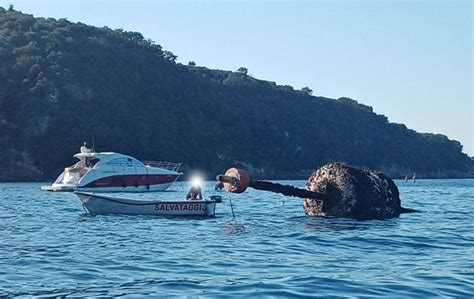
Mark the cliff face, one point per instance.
(63, 83)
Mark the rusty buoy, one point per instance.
(235, 180)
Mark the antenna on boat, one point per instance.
(93, 145)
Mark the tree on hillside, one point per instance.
(307, 90)
(242, 70)
(191, 64)
(169, 56)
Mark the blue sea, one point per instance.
(50, 247)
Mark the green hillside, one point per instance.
(63, 83)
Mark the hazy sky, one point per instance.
(409, 60)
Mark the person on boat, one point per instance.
(85, 149)
(414, 178)
(194, 193)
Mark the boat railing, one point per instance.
(163, 164)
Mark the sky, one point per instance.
(409, 60)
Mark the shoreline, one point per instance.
(272, 180)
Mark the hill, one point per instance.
(62, 83)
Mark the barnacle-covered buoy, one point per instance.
(352, 192)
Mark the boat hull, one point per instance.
(59, 188)
(103, 205)
(109, 188)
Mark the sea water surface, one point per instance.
(50, 247)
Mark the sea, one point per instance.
(258, 245)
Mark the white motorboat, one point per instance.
(114, 172)
(102, 205)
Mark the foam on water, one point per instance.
(50, 247)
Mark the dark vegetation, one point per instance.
(63, 83)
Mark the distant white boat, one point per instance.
(102, 205)
(113, 172)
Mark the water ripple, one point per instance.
(50, 248)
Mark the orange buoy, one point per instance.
(235, 180)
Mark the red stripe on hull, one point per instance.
(132, 180)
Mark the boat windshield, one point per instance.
(124, 162)
(91, 161)
(86, 162)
